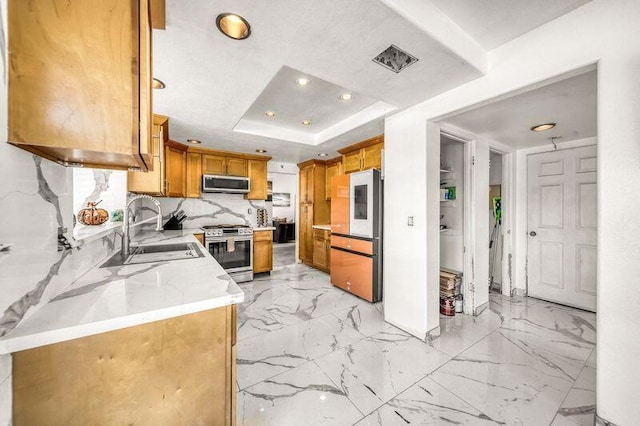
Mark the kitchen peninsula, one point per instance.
(131, 345)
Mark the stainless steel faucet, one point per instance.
(126, 240)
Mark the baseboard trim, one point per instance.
(480, 309)
(519, 292)
(602, 422)
(433, 334)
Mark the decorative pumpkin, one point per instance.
(91, 215)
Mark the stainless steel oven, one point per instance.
(232, 247)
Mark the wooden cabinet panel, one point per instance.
(258, 176)
(153, 181)
(321, 249)
(213, 164)
(178, 371)
(175, 171)
(237, 167)
(351, 162)
(306, 185)
(194, 175)
(372, 157)
(306, 233)
(262, 251)
(340, 205)
(80, 82)
(334, 169)
(200, 238)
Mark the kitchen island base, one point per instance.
(175, 371)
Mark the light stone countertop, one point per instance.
(107, 299)
(323, 227)
(265, 228)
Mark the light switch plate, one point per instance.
(410, 221)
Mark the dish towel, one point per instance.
(231, 245)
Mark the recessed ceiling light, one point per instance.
(303, 81)
(323, 154)
(194, 141)
(543, 127)
(261, 151)
(158, 84)
(346, 97)
(306, 122)
(270, 114)
(233, 26)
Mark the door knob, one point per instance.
(533, 233)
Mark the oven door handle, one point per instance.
(225, 239)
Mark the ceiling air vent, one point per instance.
(395, 59)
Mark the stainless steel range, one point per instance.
(232, 247)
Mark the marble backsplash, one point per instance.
(210, 209)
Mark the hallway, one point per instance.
(309, 353)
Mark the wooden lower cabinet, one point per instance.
(262, 251)
(322, 249)
(200, 237)
(176, 371)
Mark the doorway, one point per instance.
(452, 224)
(282, 201)
(562, 225)
(496, 210)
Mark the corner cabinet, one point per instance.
(363, 156)
(262, 251)
(80, 82)
(258, 177)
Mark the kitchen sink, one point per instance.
(155, 253)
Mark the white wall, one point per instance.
(286, 183)
(601, 32)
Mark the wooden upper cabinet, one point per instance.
(222, 165)
(213, 164)
(352, 162)
(194, 175)
(153, 181)
(258, 180)
(238, 167)
(372, 157)
(80, 82)
(363, 155)
(306, 185)
(334, 168)
(175, 169)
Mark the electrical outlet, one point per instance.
(410, 221)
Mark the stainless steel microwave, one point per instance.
(228, 184)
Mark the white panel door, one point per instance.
(562, 226)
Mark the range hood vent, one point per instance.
(395, 59)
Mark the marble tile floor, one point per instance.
(284, 254)
(311, 354)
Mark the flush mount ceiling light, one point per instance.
(395, 59)
(233, 26)
(261, 151)
(543, 127)
(323, 154)
(346, 97)
(158, 84)
(270, 114)
(306, 122)
(303, 81)
(194, 141)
